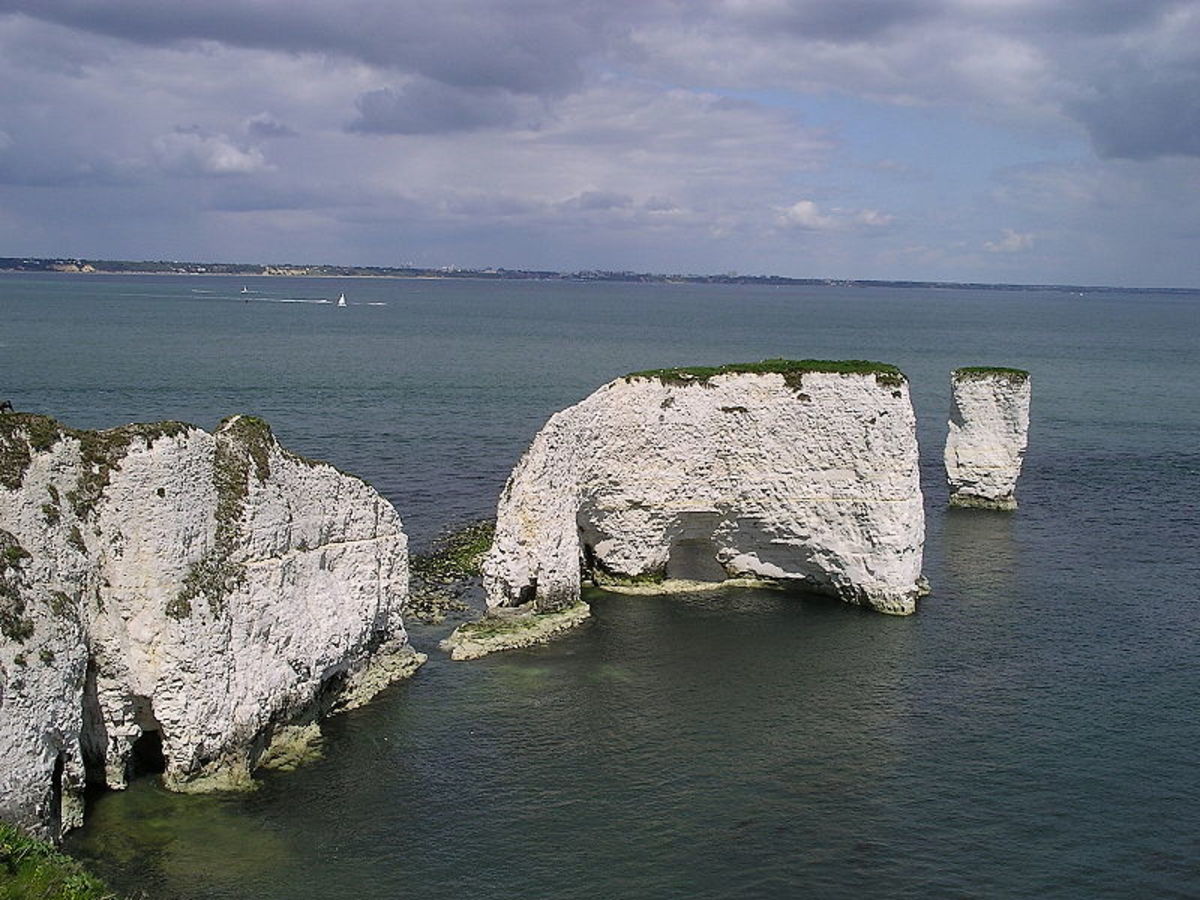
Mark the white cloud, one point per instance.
(1011, 242)
(873, 218)
(190, 152)
(806, 215)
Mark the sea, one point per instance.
(1031, 732)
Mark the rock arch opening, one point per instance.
(693, 550)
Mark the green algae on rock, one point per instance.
(441, 577)
(500, 631)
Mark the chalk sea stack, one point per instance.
(799, 473)
(180, 601)
(989, 430)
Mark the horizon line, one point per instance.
(101, 266)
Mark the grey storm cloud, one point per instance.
(1099, 63)
(265, 125)
(424, 106)
(768, 134)
(846, 20)
(1126, 71)
(531, 46)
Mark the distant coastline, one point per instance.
(77, 266)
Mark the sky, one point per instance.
(1023, 141)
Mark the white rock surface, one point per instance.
(809, 479)
(989, 430)
(210, 589)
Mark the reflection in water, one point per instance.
(979, 553)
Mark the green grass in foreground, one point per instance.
(792, 370)
(991, 371)
(33, 870)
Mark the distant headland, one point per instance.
(175, 267)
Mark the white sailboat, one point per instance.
(341, 301)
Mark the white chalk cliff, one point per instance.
(178, 599)
(797, 472)
(989, 430)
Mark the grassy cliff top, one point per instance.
(33, 870)
(22, 434)
(792, 370)
(969, 372)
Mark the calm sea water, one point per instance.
(1032, 731)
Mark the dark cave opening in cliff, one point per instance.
(56, 794)
(146, 755)
(146, 752)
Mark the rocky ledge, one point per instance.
(802, 473)
(510, 629)
(178, 601)
(989, 430)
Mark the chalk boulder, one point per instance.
(798, 473)
(173, 599)
(989, 430)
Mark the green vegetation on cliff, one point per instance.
(33, 870)
(792, 370)
(243, 444)
(101, 452)
(14, 624)
(979, 372)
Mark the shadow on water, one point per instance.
(172, 844)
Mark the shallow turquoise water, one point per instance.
(1030, 732)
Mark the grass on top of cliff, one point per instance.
(23, 434)
(977, 372)
(33, 870)
(792, 370)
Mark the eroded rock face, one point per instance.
(800, 476)
(989, 430)
(172, 598)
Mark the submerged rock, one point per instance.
(172, 600)
(800, 473)
(989, 430)
(440, 579)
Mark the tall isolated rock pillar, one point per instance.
(989, 429)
